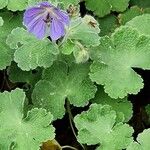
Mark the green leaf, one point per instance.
(115, 58)
(108, 24)
(136, 24)
(67, 3)
(142, 141)
(17, 75)
(123, 107)
(3, 3)
(30, 52)
(13, 5)
(10, 21)
(129, 14)
(19, 132)
(67, 47)
(140, 3)
(104, 7)
(1, 21)
(34, 2)
(85, 30)
(61, 82)
(98, 126)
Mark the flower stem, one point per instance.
(71, 122)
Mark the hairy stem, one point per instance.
(70, 147)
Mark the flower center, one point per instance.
(51, 12)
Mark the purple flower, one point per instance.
(45, 19)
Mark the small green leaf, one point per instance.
(115, 58)
(61, 82)
(104, 7)
(138, 22)
(98, 126)
(142, 141)
(19, 132)
(108, 24)
(123, 107)
(67, 48)
(30, 52)
(129, 14)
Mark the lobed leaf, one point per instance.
(123, 107)
(19, 132)
(115, 58)
(30, 52)
(9, 22)
(98, 126)
(142, 141)
(61, 82)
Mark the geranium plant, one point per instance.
(74, 74)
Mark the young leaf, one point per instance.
(98, 126)
(103, 7)
(115, 58)
(136, 24)
(123, 107)
(9, 22)
(60, 82)
(142, 141)
(19, 132)
(30, 52)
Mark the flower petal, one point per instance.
(57, 30)
(31, 13)
(63, 16)
(45, 4)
